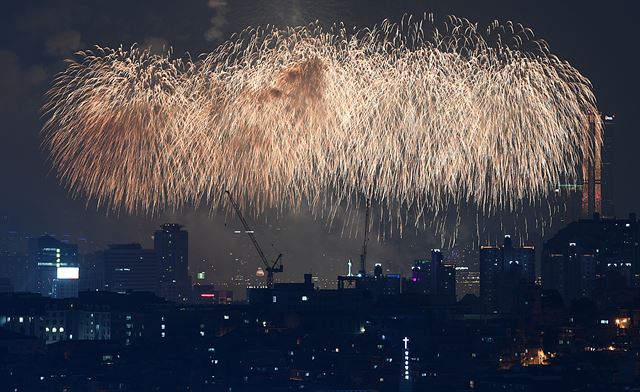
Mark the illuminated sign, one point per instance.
(406, 357)
(207, 295)
(68, 273)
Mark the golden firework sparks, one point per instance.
(410, 114)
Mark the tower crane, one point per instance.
(271, 267)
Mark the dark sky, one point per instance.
(597, 37)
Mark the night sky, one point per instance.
(598, 38)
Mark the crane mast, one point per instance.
(270, 267)
(363, 256)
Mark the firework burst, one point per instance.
(414, 115)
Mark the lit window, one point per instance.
(226, 317)
(54, 330)
(162, 326)
(61, 329)
(162, 335)
(305, 298)
(21, 319)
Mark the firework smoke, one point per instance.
(415, 116)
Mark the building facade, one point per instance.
(47, 254)
(171, 244)
(129, 267)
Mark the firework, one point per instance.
(414, 115)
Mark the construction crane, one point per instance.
(271, 267)
(363, 256)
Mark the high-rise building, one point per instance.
(171, 243)
(490, 272)
(592, 177)
(66, 283)
(13, 265)
(434, 277)
(46, 255)
(420, 272)
(467, 282)
(466, 261)
(447, 283)
(589, 249)
(592, 193)
(128, 267)
(520, 260)
(435, 271)
(504, 272)
(570, 271)
(607, 180)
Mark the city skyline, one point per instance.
(75, 216)
(332, 196)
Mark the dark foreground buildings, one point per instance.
(296, 337)
(578, 331)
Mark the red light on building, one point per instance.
(207, 295)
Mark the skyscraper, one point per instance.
(46, 255)
(171, 243)
(466, 261)
(433, 277)
(608, 138)
(592, 193)
(592, 177)
(490, 271)
(504, 273)
(447, 283)
(436, 269)
(519, 260)
(129, 267)
(571, 271)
